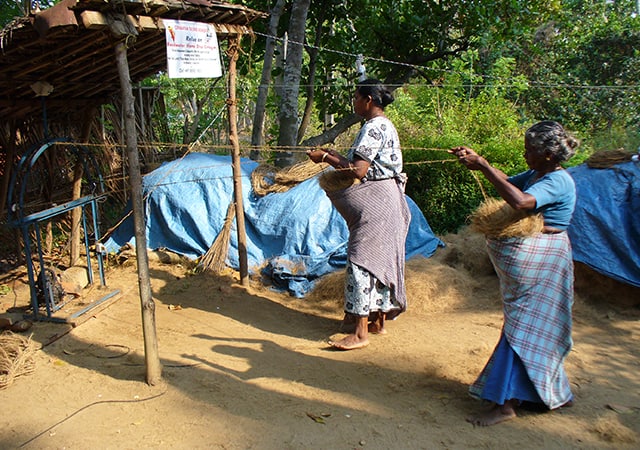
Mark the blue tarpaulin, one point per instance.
(605, 229)
(294, 237)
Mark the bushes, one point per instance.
(436, 118)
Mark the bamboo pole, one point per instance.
(232, 53)
(152, 360)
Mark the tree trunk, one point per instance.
(347, 122)
(257, 133)
(288, 112)
(313, 61)
(76, 213)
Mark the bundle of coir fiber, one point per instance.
(605, 159)
(266, 179)
(16, 357)
(336, 180)
(497, 220)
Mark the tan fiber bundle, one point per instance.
(16, 357)
(605, 159)
(336, 180)
(266, 179)
(497, 220)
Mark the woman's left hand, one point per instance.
(317, 154)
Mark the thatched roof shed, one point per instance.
(70, 46)
(67, 53)
(78, 55)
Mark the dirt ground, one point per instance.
(249, 368)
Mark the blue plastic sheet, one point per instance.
(293, 237)
(605, 229)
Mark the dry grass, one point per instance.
(608, 158)
(496, 219)
(266, 179)
(611, 430)
(336, 180)
(16, 357)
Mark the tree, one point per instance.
(12, 9)
(583, 66)
(257, 133)
(288, 107)
(401, 40)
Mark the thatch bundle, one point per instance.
(605, 159)
(496, 219)
(16, 357)
(266, 179)
(336, 180)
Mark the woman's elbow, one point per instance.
(523, 204)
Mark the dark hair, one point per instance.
(379, 94)
(550, 136)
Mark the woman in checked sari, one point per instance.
(536, 280)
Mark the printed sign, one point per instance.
(192, 50)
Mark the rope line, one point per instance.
(425, 68)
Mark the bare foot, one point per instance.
(350, 342)
(375, 328)
(377, 324)
(495, 415)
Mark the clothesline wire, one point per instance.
(189, 149)
(264, 148)
(426, 68)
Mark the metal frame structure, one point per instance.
(33, 221)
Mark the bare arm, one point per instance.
(510, 193)
(356, 168)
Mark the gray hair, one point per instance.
(550, 136)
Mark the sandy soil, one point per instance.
(249, 368)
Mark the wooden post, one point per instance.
(76, 213)
(10, 148)
(154, 368)
(232, 53)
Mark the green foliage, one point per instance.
(13, 9)
(584, 65)
(462, 110)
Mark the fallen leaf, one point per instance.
(315, 418)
